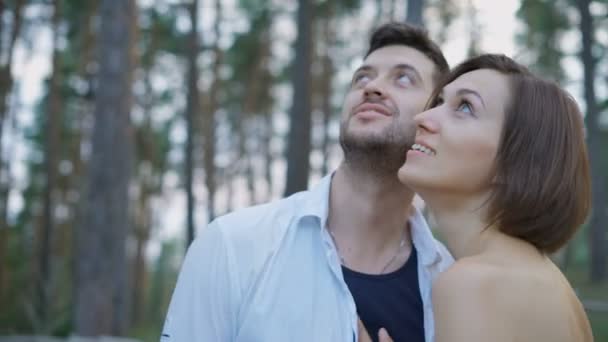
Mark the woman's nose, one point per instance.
(427, 121)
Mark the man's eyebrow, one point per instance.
(363, 68)
(465, 91)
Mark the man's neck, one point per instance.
(368, 217)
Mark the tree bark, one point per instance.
(414, 12)
(298, 149)
(142, 235)
(52, 126)
(378, 16)
(391, 10)
(599, 219)
(326, 105)
(474, 31)
(230, 190)
(209, 118)
(101, 303)
(192, 107)
(6, 79)
(267, 115)
(6, 85)
(268, 155)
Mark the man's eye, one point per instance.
(405, 80)
(361, 79)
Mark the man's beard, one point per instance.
(381, 154)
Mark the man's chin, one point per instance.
(356, 126)
(371, 140)
(367, 136)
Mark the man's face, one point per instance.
(391, 86)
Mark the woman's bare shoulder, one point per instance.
(465, 293)
(491, 283)
(524, 301)
(469, 275)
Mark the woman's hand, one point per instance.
(364, 336)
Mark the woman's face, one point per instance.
(457, 140)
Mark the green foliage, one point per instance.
(331, 8)
(13, 316)
(248, 59)
(544, 24)
(447, 12)
(577, 276)
(159, 33)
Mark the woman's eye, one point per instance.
(465, 107)
(405, 80)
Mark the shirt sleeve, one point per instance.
(203, 305)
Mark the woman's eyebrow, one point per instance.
(466, 91)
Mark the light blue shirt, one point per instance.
(271, 273)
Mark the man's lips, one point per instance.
(373, 107)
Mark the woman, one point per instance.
(500, 159)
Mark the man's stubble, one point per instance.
(380, 154)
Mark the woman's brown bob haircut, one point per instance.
(542, 187)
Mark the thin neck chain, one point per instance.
(343, 261)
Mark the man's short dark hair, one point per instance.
(397, 33)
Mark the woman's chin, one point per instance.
(410, 178)
(423, 184)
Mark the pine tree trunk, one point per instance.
(392, 10)
(414, 12)
(599, 220)
(298, 149)
(379, 15)
(6, 79)
(267, 115)
(209, 118)
(230, 192)
(192, 107)
(268, 157)
(77, 178)
(101, 280)
(6, 85)
(240, 167)
(52, 126)
(250, 177)
(326, 105)
(142, 235)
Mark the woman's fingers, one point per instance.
(383, 335)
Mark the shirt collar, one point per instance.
(317, 205)
(423, 239)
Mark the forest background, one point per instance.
(126, 126)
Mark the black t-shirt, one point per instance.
(389, 300)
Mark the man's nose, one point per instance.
(374, 88)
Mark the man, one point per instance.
(305, 268)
